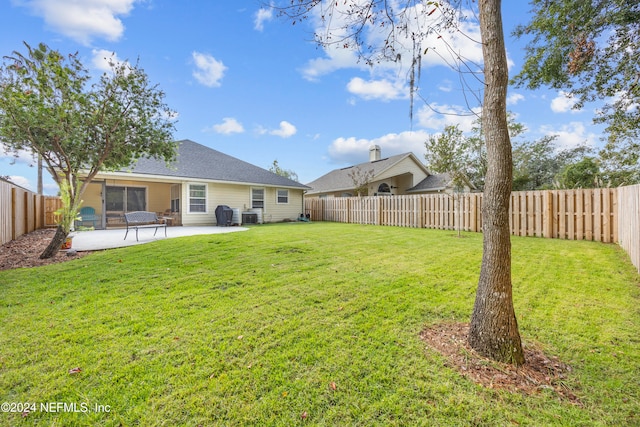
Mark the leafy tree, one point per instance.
(447, 153)
(537, 164)
(494, 330)
(46, 107)
(591, 48)
(477, 151)
(361, 180)
(620, 164)
(581, 174)
(534, 164)
(275, 168)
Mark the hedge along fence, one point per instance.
(560, 214)
(23, 211)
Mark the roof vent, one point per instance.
(374, 153)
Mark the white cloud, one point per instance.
(101, 57)
(209, 71)
(442, 48)
(384, 89)
(356, 150)
(22, 182)
(336, 59)
(262, 15)
(572, 135)
(446, 86)
(228, 126)
(436, 116)
(22, 156)
(83, 20)
(286, 130)
(514, 98)
(563, 103)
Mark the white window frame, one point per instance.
(206, 193)
(263, 197)
(278, 190)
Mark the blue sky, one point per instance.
(256, 87)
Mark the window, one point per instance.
(283, 196)
(175, 198)
(384, 188)
(126, 199)
(257, 197)
(197, 198)
(136, 199)
(115, 199)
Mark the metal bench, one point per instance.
(143, 219)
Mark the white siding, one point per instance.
(239, 197)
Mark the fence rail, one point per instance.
(23, 211)
(559, 214)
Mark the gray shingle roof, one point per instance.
(195, 161)
(431, 183)
(339, 179)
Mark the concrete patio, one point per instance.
(96, 240)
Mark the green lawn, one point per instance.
(253, 328)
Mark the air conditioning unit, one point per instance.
(249, 218)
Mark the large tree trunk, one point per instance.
(55, 244)
(494, 329)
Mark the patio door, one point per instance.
(119, 200)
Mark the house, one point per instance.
(396, 175)
(188, 190)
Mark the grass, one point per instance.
(253, 328)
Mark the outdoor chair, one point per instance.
(87, 215)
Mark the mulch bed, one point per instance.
(539, 372)
(26, 249)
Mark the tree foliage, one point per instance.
(537, 164)
(591, 49)
(584, 173)
(46, 107)
(448, 153)
(361, 180)
(287, 173)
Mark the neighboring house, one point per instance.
(396, 175)
(189, 190)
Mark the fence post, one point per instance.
(606, 216)
(13, 214)
(614, 213)
(25, 213)
(423, 209)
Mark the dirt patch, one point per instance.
(539, 372)
(26, 249)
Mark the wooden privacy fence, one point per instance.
(629, 222)
(560, 214)
(23, 211)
